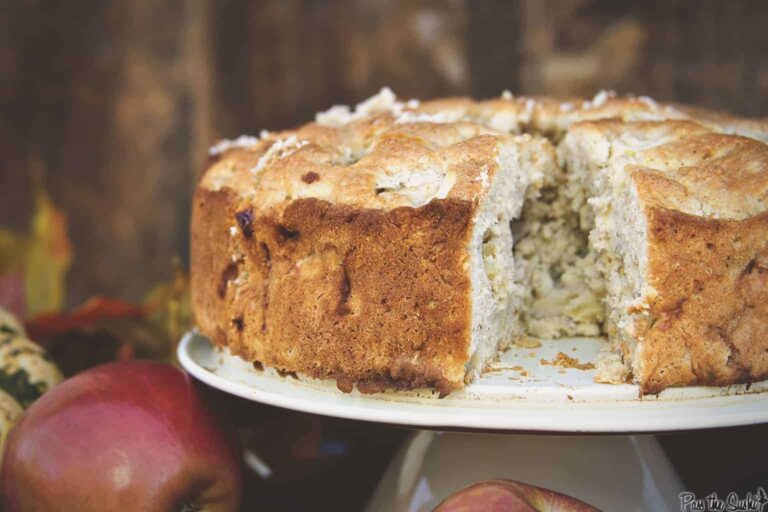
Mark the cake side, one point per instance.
(279, 222)
(679, 227)
(371, 252)
(708, 323)
(335, 291)
(706, 203)
(378, 299)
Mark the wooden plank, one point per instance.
(116, 103)
(108, 100)
(709, 53)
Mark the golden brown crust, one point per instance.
(686, 167)
(210, 260)
(705, 201)
(756, 128)
(363, 164)
(553, 117)
(376, 298)
(342, 252)
(707, 253)
(710, 317)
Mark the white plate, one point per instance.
(531, 397)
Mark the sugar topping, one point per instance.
(530, 105)
(413, 117)
(599, 99)
(243, 141)
(224, 145)
(648, 101)
(280, 149)
(384, 101)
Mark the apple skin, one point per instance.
(510, 496)
(134, 435)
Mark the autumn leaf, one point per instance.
(33, 265)
(33, 268)
(99, 331)
(104, 329)
(48, 257)
(94, 311)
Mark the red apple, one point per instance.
(510, 496)
(124, 436)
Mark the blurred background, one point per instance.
(108, 109)
(113, 104)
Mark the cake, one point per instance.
(402, 245)
(679, 225)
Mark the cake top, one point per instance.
(386, 153)
(550, 116)
(680, 165)
(383, 155)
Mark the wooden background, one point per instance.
(114, 103)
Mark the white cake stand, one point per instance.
(627, 473)
(524, 393)
(520, 395)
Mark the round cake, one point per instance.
(403, 244)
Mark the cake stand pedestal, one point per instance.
(593, 439)
(628, 473)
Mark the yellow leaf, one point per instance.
(47, 257)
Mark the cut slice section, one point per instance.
(678, 233)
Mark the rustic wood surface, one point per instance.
(113, 105)
(116, 102)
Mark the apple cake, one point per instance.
(400, 245)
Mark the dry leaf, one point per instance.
(95, 310)
(169, 309)
(33, 265)
(100, 331)
(47, 258)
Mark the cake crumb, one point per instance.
(521, 370)
(526, 341)
(611, 369)
(563, 360)
(496, 368)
